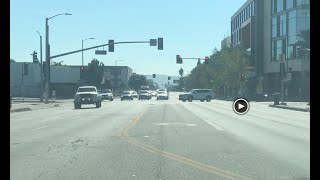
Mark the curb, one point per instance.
(29, 109)
(20, 110)
(290, 108)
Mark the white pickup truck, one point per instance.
(87, 95)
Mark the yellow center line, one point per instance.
(217, 171)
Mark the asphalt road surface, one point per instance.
(150, 139)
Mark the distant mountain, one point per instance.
(161, 80)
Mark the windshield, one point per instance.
(207, 89)
(105, 91)
(87, 90)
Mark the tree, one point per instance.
(12, 60)
(181, 72)
(136, 81)
(53, 63)
(94, 73)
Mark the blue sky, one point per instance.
(189, 28)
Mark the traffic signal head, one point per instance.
(169, 78)
(34, 57)
(179, 59)
(111, 46)
(242, 76)
(154, 75)
(25, 69)
(81, 69)
(206, 60)
(160, 43)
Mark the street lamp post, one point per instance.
(41, 71)
(48, 57)
(83, 40)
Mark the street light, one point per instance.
(41, 75)
(83, 40)
(117, 61)
(48, 56)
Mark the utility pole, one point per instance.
(41, 71)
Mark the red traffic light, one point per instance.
(206, 60)
(242, 75)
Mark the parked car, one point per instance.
(197, 94)
(87, 95)
(106, 94)
(126, 95)
(144, 94)
(162, 95)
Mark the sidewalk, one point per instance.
(297, 106)
(30, 104)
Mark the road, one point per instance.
(152, 139)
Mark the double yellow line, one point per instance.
(217, 171)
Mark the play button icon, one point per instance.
(240, 106)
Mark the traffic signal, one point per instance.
(34, 57)
(81, 69)
(160, 43)
(169, 78)
(206, 60)
(179, 59)
(154, 75)
(25, 69)
(111, 46)
(242, 76)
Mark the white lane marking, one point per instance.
(146, 136)
(165, 124)
(39, 128)
(214, 125)
(206, 120)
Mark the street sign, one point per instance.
(101, 52)
(153, 42)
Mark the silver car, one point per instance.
(197, 94)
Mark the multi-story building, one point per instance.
(226, 42)
(275, 31)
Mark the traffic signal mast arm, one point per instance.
(72, 52)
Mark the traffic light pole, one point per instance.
(72, 52)
(41, 72)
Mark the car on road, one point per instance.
(144, 94)
(106, 94)
(87, 95)
(126, 95)
(134, 94)
(197, 94)
(162, 95)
